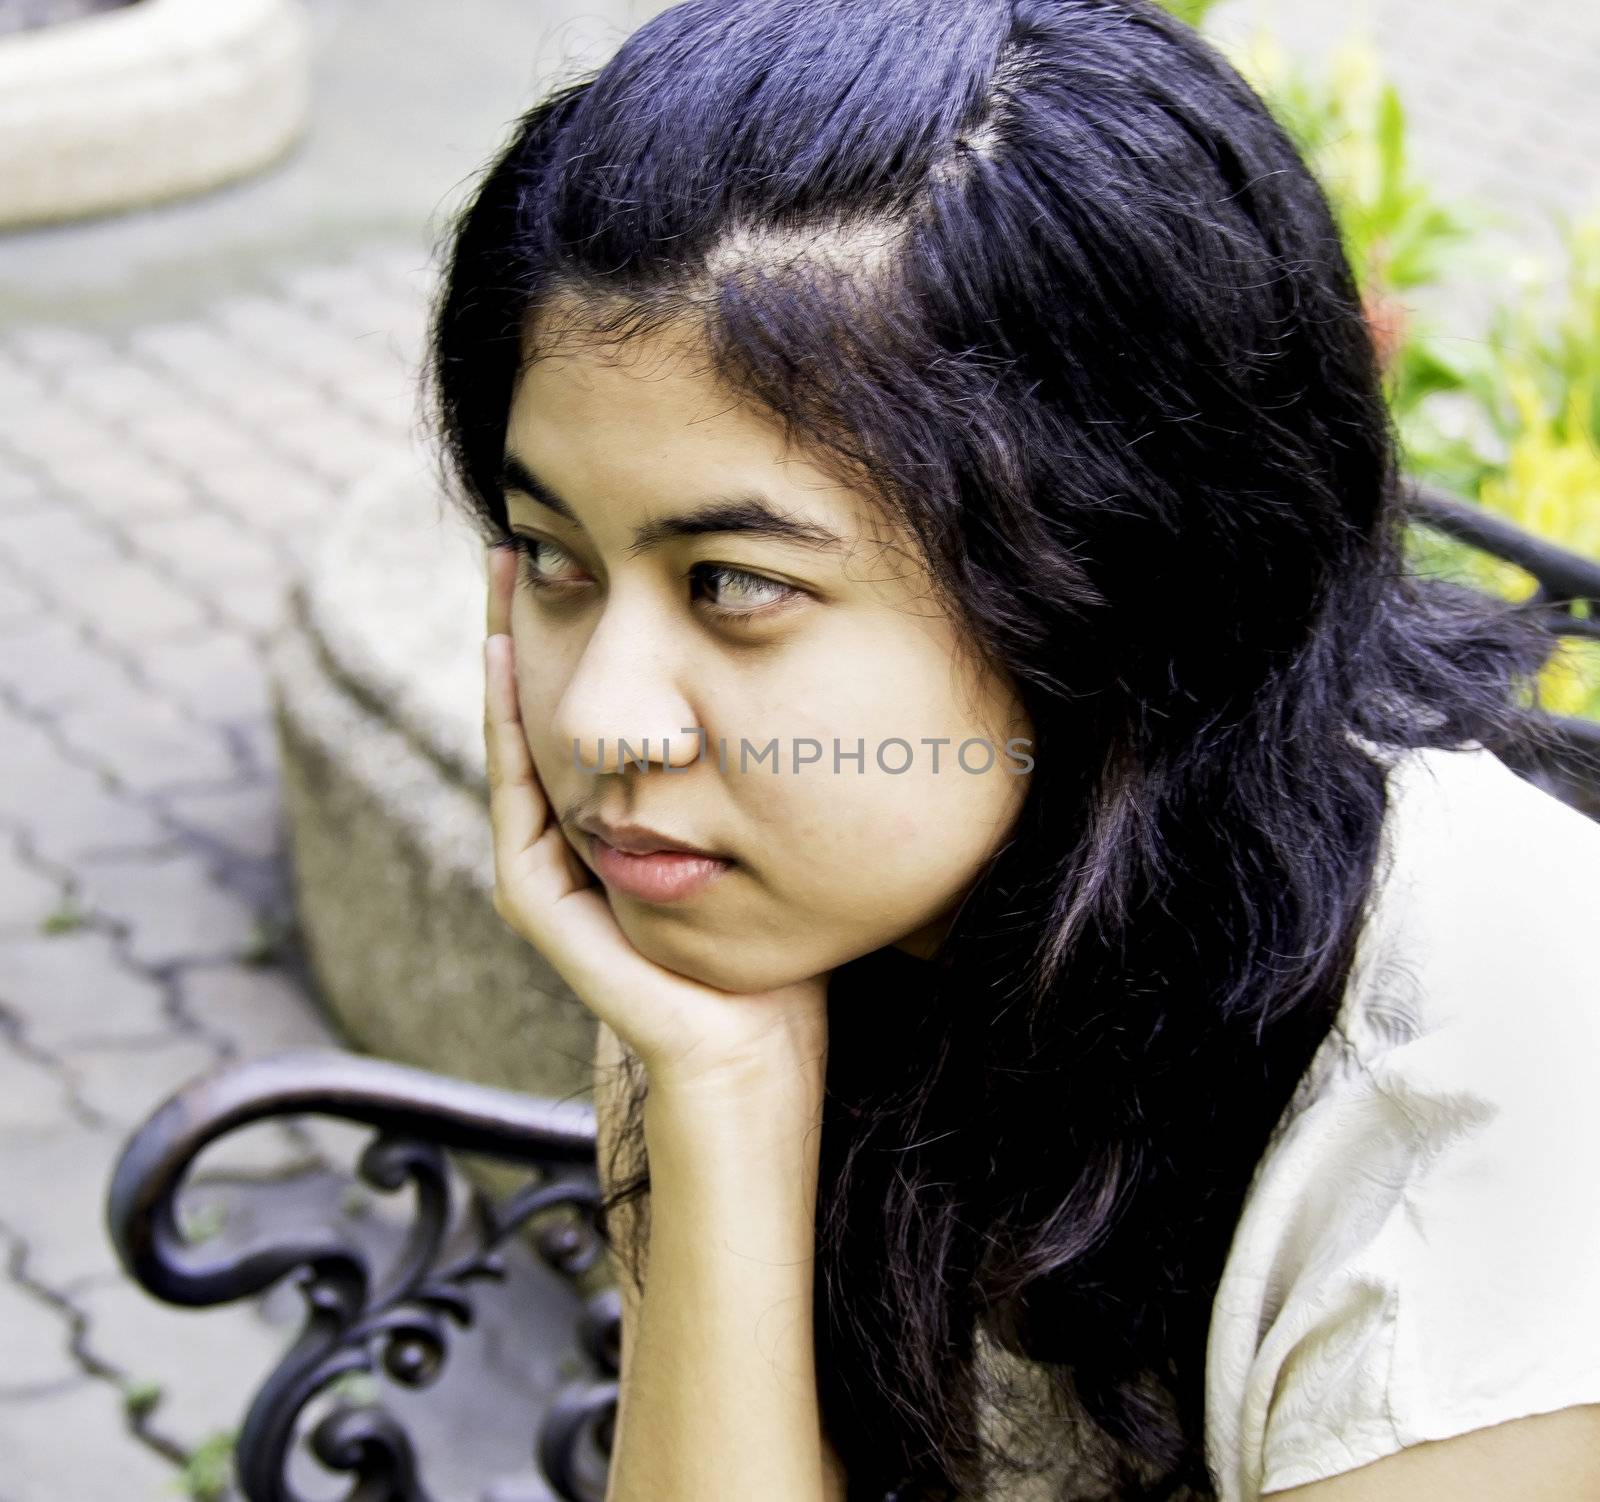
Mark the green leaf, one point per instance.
(1191, 11)
(140, 1398)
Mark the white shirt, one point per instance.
(1419, 1251)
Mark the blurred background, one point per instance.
(240, 780)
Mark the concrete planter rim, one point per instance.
(151, 101)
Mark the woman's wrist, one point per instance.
(724, 1129)
(785, 1077)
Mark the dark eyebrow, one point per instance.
(752, 515)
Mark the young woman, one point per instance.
(1102, 1017)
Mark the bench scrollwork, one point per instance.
(359, 1317)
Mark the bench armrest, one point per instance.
(355, 1318)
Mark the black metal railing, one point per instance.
(1565, 582)
(359, 1317)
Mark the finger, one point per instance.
(517, 810)
(501, 572)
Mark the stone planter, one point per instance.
(148, 102)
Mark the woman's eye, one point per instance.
(729, 593)
(532, 553)
(743, 594)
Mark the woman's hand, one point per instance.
(688, 1035)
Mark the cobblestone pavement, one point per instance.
(184, 394)
(156, 491)
(178, 410)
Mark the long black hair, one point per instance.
(1049, 275)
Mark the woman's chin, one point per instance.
(712, 960)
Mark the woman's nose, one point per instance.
(623, 705)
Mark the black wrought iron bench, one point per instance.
(401, 1318)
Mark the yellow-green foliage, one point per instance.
(1549, 485)
(1540, 394)
(1192, 11)
(1513, 421)
(1350, 125)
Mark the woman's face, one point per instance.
(790, 617)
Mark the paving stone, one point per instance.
(57, 1173)
(273, 490)
(20, 606)
(172, 906)
(40, 431)
(340, 447)
(20, 382)
(336, 1143)
(75, 820)
(333, 288)
(130, 600)
(294, 338)
(259, 1010)
(58, 346)
(191, 438)
(114, 489)
(20, 491)
(71, 989)
(207, 1362)
(193, 353)
(264, 1151)
(256, 608)
(377, 312)
(402, 266)
(44, 662)
(217, 675)
(37, 1358)
(212, 551)
(258, 740)
(272, 398)
(115, 390)
(390, 406)
(146, 743)
(27, 897)
(32, 1093)
(74, 1446)
(247, 820)
(124, 1085)
(37, 1338)
(28, 755)
(297, 402)
(48, 543)
(64, 810)
(51, 666)
(79, 471)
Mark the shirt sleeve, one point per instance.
(1446, 1266)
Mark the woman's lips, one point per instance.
(662, 876)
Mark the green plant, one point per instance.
(207, 1476)
(200, 1223)
(1350, 124)
(358, 1388)
(66, 919)
(269, 936)
(139, 1399)
(1532, 451)
(1192, 11)
(1511, 421)
(355, 1201)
